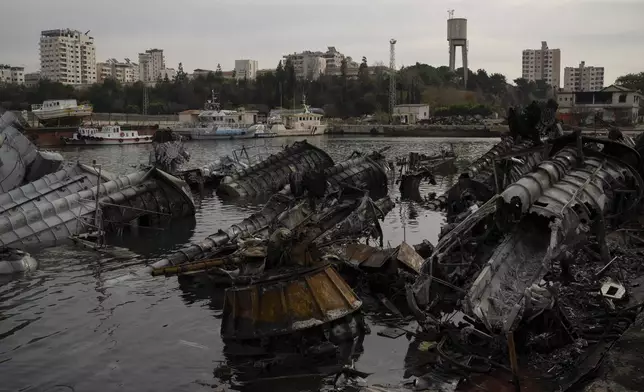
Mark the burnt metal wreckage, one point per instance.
(526, 279)
(534, 282)
(535, 272)
(46, 201)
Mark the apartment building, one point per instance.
(10, 74)
(32, 79)
(151, 64)
(246, 69)
(542, 64)
(305, 61)
(67, 56)
(313, 67)
(125, 72)
(583, 78)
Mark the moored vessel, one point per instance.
(296, 122)
(262, 131)
(109, 134)
(216, 123)
(61, 112)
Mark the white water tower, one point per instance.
(457, 37)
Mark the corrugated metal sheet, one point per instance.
(271, 174)
(287, 304)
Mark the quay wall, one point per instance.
(100, 119)
(418, 130)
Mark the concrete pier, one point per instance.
(419, 130)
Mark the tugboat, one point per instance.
(109, 134)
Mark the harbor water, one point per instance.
(74, 325)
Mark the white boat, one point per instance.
(262, 132)
(60, 112)
(109, 134)
(216, 123)
(298, 122)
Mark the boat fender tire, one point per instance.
(136, 139)
(120, 140)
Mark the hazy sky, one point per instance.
(202, 33)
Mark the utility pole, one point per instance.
(146, 100)
(392, 78)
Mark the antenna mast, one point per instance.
(392, 78)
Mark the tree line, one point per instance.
(340, 96)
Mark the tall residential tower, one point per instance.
(67, 56)
(151, 65)
(583, 78)
(542, 64)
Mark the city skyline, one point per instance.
(204, 33)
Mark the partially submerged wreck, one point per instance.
(368, 173)
(20, 161)
(270, 175)
(80, 199)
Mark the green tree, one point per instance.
(181, 77)
(634, 81)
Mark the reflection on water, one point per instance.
(63, 329)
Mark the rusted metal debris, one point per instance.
(287, 303)
(416, 167)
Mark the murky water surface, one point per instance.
(65, 327)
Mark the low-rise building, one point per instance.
(189, 116)
(583, 78)
(11, 74)
(32, 79)
(265, 71)
(612, 104)
(125, 72)
(411, 113)
(332, 58)
(201, 73)
(169, 73)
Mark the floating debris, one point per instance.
(14, 261)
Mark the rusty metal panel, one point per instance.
(408, 256)
(286, 304)
(366, 256)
